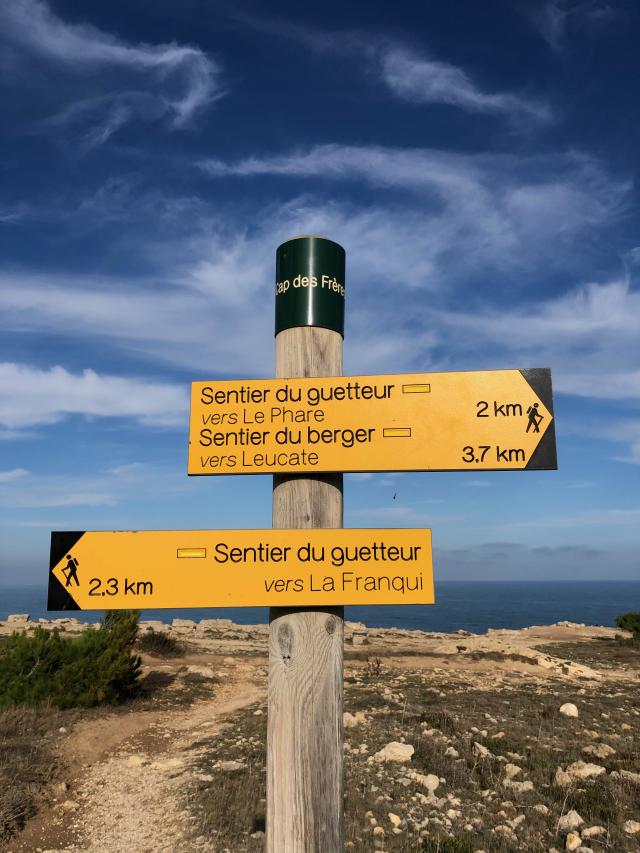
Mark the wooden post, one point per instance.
(305, 800)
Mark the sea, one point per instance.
(470, 606)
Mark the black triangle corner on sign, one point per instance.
(61, 544)
(544, 457)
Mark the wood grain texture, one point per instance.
(305, 797)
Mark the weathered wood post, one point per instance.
(305, 807)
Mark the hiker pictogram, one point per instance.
(70, 571)
(535, 418)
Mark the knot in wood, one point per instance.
(285, 641)
(330, 625)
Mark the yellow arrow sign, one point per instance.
(239, 568)
(485, 420)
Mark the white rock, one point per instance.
(518, 787)
(631, 827)
(541, 808)
(512, 770)
(429, 781)
(231, 766)
(18, 617)
(570, 821)
(584, 770)
(353, 720)
(137, 761)
(394, 819)
(593, 831)
(599, 750)
(573, 841)
(451, 752)
(569, 710)
(480, 751)
(395, 751)
(258, 713)
(204, 671)
(562, 778)
(630, 776)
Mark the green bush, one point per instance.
(160, 645)
(629, 622)
(97, 667)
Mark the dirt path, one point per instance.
(125, 774)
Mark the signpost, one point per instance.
(495, 420)
(306, 427)
(305, 738)
(239, 568)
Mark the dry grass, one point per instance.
(27, 738)
(602, 653)
(434, 712)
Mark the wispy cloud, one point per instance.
(409, 73)
(168, 79)
(627, 432)
(13, 214)
(422, 79)
(30, 397)
(505, 210)
(611, 516)
(511, 215)
(552, 18)
(109, 488)
(405, 515)
(590, 335)
(14, 474)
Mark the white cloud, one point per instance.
(408, 516)
(14, 474)
(424, 80)
(508, 212)
(611, 516)
(127, 483)
(627, 432)
(550, 21)
(407, 74)
(12, 214)
(552, 18)
(168, 79)
(207, 303)
(30, 397)
(590, 336)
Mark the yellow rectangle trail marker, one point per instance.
(97, 570)
(484, 420)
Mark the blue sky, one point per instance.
(478, 162)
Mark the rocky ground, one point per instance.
(512, 740)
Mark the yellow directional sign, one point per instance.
(239, 568)
(484, 420)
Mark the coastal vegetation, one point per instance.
(160, 644)
(512, 740)
(630, 622)
(97, 667)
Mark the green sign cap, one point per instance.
(310, 285)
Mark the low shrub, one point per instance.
(160, 645)
(629, 622)
(97, 667)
